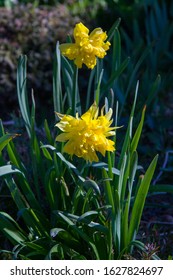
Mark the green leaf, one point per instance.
(113, 29)
(138, 132)
(49, 147)
(93, 185)
(140, 198)
(132, 167)
(100, 241)
(48, 133)
(37, 249)
(68, 163)
(55, 231)
(124, 223)
(58, 250)
(51, 188)
(123, 178)
(65, 237)
(105, 166)
(22, 193)
(75, 93)
(116, 56)
(57, 87)
(46, 153)
(22, 93)
(82, 234)
(87, 217)
(9, 169)
(15, 158)
(116, 223)
(153, 90)
(97, 91)
(89, 88)
(37, 220)
(108, 191)
(70, 166)
(11, 229)
(16, 193)
(128, 136)
(5, 139)
(68, 74)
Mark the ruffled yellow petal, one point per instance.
(92, 113)
(87, 135)
(86, 48)
(80, 32)
(97, 35)
(90, 61)
(63, 137)
(69, 50)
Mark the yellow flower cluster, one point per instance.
(88, 134)
(86, 47)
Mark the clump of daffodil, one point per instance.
(86, 135)
(86, 47)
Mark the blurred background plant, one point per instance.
(145, 36)
(37, 40)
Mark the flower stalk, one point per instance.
(75, 90)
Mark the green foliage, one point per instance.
(86, 7)
(67, 208)
(146, 34)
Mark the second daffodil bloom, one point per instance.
(86, 47)
(87, 134)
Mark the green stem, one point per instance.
(74, 93)
(97, 92)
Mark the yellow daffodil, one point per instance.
(87, 134)
(86, 47)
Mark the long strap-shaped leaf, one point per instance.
(140, 200)
(22, 93)
(57, 90)
(11, 229)
(9, 169)
(136, 137)
(5, 139)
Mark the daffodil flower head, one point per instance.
(86, 47)
(86, 135)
